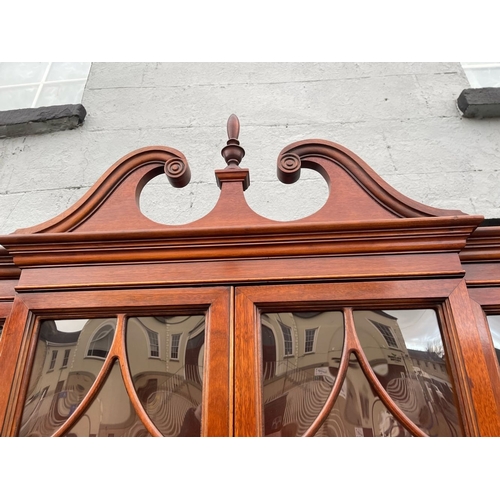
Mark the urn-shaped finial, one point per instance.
(233, 153)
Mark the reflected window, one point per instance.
(154, 350)
(309, 340)
(53, 360)
(101, 342)
(66, 358)
(174, 346)
(386, 332)
(287, 339)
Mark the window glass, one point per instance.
(482, 74)
(68, 357)
(17, 97)
(406, 353)
(301, 353)
(300, 359)
(30, 85)
(111, 414)
(168, 384)
(61, 93)
(18, 73)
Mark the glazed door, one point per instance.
(119, 363)
(384, 358)
(360, 359)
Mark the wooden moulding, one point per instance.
(362, 214)
(483, 245)
(167, 274)
(481, 258)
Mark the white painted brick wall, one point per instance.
(401, 118)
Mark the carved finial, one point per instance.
(233, 153)
(233, 127)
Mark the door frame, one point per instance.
(478, 405)
(29, 310)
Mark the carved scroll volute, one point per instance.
(289, 165)
(177, 172)
(113, 201)
(356, 192)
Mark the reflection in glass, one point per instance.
(301, 355)
(63, 371)
(358, 411)
(111, 414)
(406, 352)
(165, 356)
(494, 323)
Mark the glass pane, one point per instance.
(68, 358)
(111, 414)
(301, 355)
(482, 74)
(165, 356)
(15, 73)
(406, 352)
(17, 97)
(358, 411)
(68, 70)
(494, 323)
(61, 93)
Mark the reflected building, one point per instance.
(301, 354)
(165, 360)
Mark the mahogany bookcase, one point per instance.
(288, 328)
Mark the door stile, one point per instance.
(247, 373)
(231, 359)
(217, 398)
(14, 347)
(479, 402)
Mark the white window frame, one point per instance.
(175, 345)
(287, 343)
(154, 343)
(312, 343)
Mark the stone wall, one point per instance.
(401, 118)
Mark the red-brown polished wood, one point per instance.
(367, 246)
